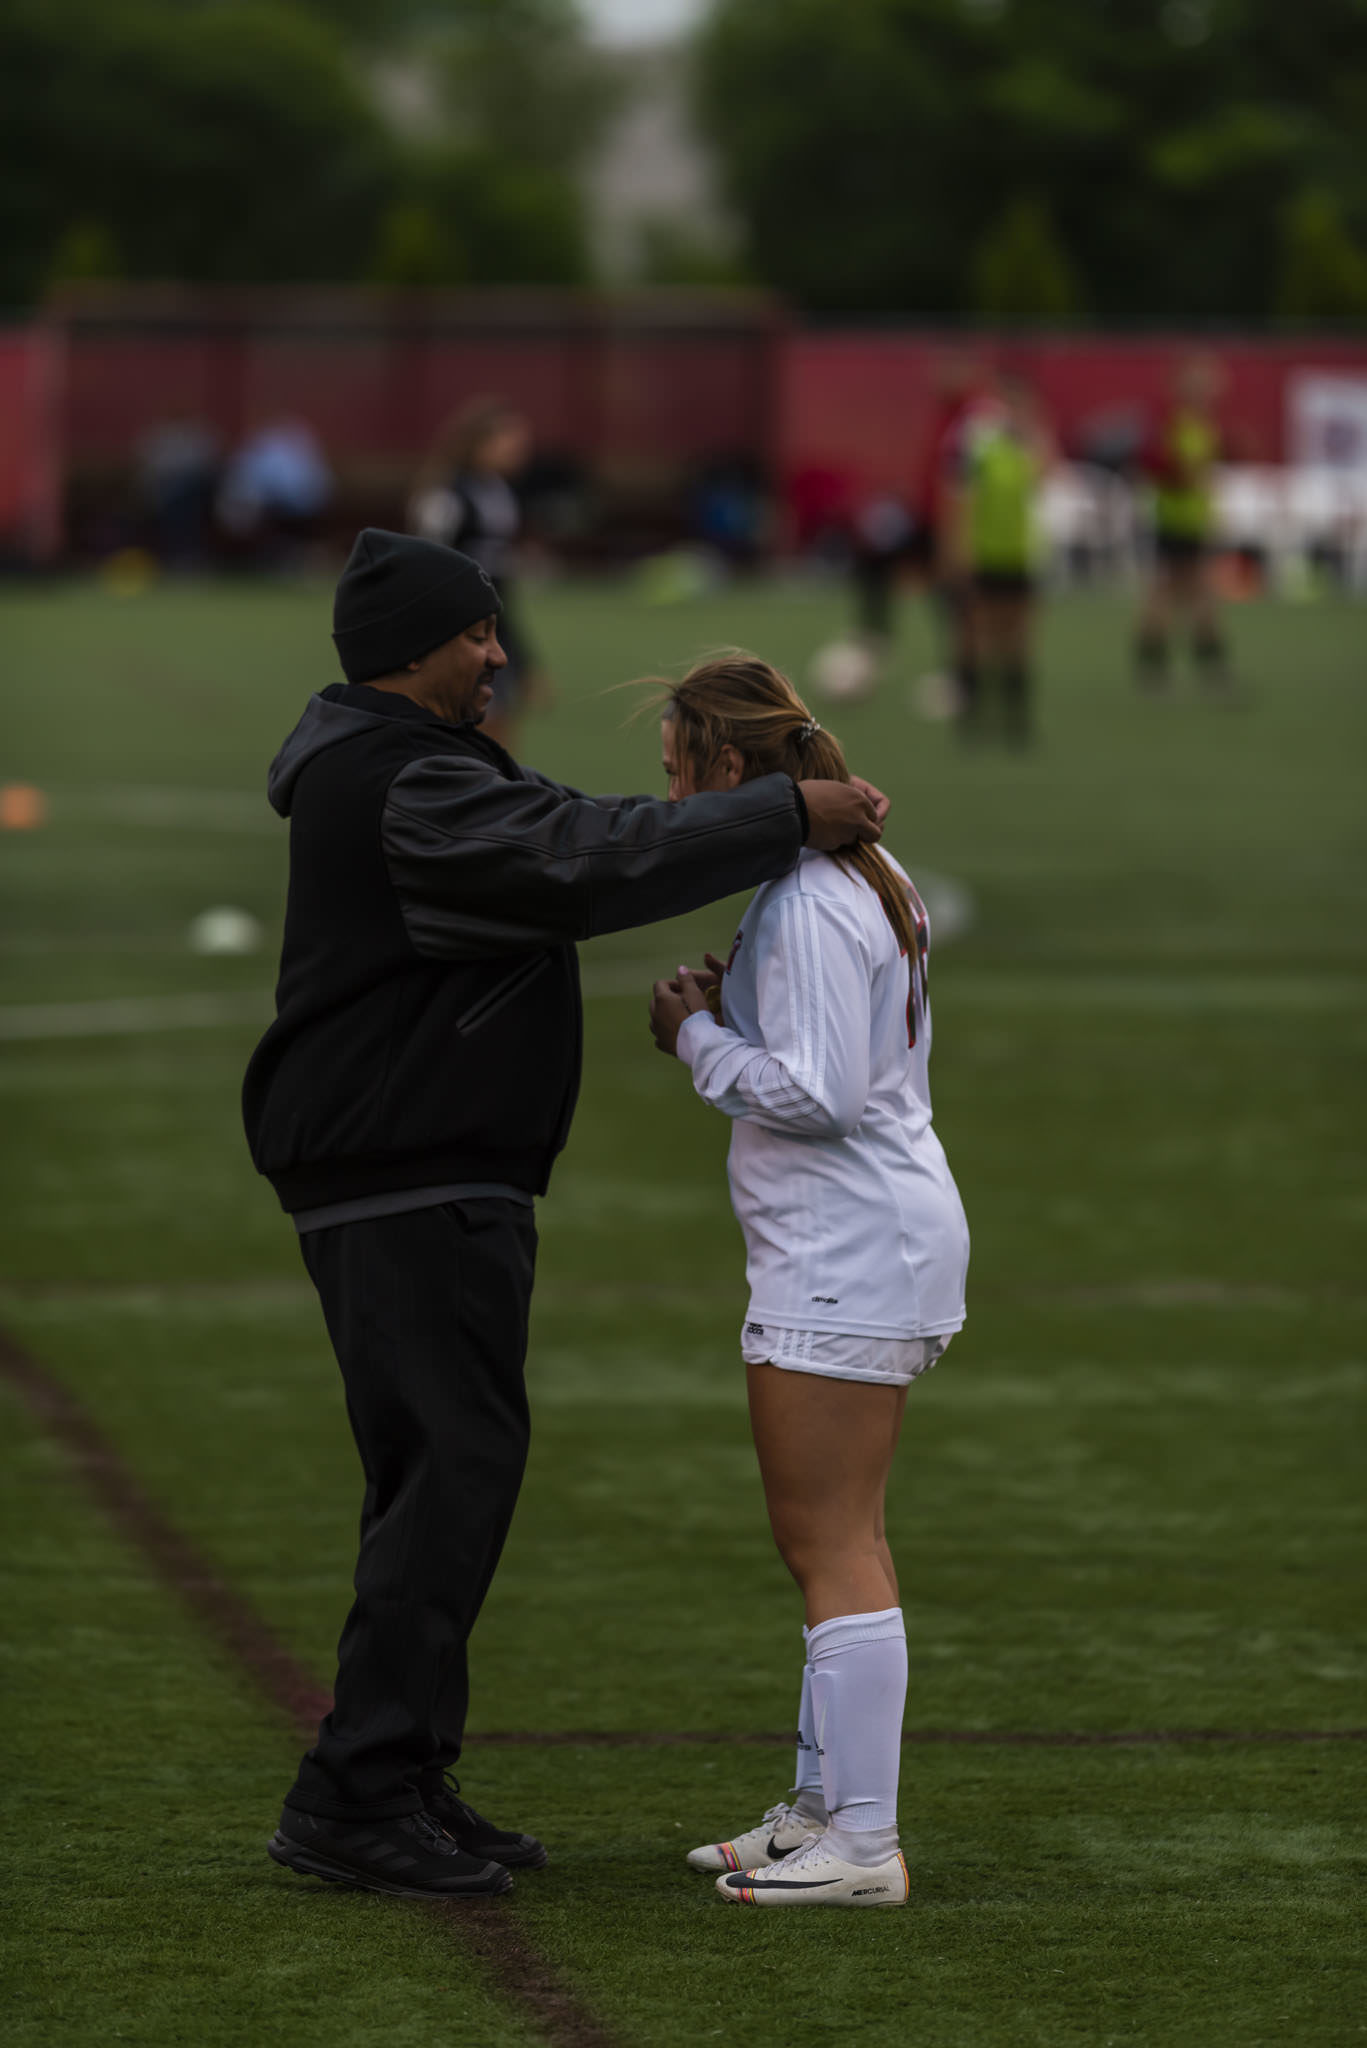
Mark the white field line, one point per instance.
(166, 808)
(131, 1016)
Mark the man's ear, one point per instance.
(732, 767)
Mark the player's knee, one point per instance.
(811, 1551)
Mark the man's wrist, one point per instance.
(802, 816)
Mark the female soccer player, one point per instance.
(464, 497)
(1181, 463)
(1003, 457)
(814, 1039)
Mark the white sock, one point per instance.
(859, 1689)
(808, 1797)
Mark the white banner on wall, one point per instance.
(1326, 426)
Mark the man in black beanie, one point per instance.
(407, 1105)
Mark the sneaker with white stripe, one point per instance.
(782, 1829)
(817, 1875)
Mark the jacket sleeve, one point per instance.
(810, 1076)
(484, 866)
(565, 789)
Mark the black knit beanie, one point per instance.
(400, 597)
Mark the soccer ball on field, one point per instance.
(843, 671)
(224, 929)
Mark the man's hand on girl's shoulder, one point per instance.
(881, 804)
(840, 814)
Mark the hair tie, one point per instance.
(809, 730)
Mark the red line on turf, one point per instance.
(524, 1977)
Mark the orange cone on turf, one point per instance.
(22, 807)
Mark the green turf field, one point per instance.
(1128, 1500)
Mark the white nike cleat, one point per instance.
(782, 1830)
(815, 1875)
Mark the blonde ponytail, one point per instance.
(733, 699)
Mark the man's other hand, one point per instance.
(838, 815)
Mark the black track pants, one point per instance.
(428, 1316)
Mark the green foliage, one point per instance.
(671, 253)
(519, 76)
(1021, 269)
(85, 250)
(218, 144)
(416, 248)
(1323, 268)
(489, 218)
(874, 148)
(246, 141)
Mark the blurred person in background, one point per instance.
(818, 497)
(274, 493)
(959, 391)
(1180, 462)
(464, 496)
(727, 508)
(1003, 456)
(814, 1039)
(408, 1104)
(177, 473)
(881, 533)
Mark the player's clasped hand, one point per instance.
(673, 1001)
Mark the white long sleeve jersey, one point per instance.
(851, 1218)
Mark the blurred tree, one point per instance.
(223, 143)
(471, 215)
(1021, 269)
(874, 148)
(670, 253)
(415, 247)
(247, 141)
(1323, 270)
(520, 77)
(85, 250)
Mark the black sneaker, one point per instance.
(479, 1837)
(411, 1856)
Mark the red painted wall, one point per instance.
(30, 444)
(636, 385)
(641, 387)
(862, 403)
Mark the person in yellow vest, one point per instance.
(1003, 458)
(1181, 592)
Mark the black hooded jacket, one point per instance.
(428, 1025)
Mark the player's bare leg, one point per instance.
(1208, 647)
(1155, 628)
(974, 660)
(825, 1449)
(885, 1555)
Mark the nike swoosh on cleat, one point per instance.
(792, 1884)
(773, 1851)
